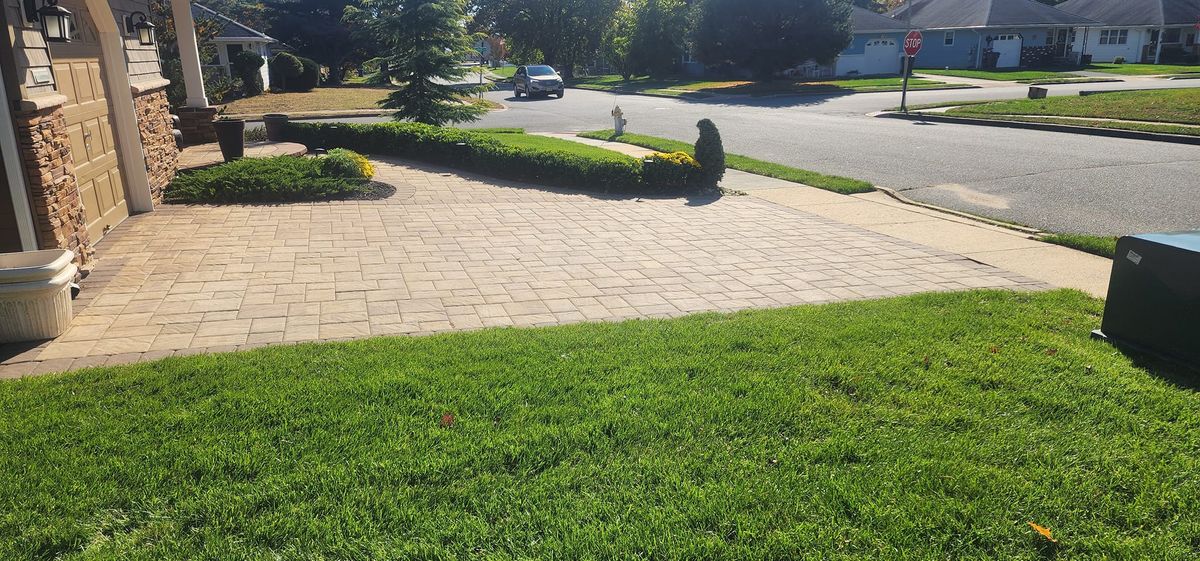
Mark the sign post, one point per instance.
(912, 46)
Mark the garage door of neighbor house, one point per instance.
(1009, 47)
(881, 56)
(89, 125)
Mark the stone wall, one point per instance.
(196, 124)
(50, 172)
(158, 144)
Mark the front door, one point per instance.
(89, 125)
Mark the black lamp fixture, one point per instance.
(143, 28)
(56, 20)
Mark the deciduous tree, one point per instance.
(767, 36)
(564, 32)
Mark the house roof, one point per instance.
(964, 14)
(866, 21)
(230, 29)
(1136, 12)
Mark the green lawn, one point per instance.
(691, 87)
(1104, 246)
(1168, 106)
(1144, 69)
(930, 427)
(504, 71)
(835, 183)
(1003, 75)
(518, 139)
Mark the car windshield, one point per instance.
(540, 71)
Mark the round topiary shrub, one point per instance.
(285, 67)
(246, 67)
(309, 78)
(710, 154)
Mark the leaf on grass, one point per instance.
(447, 420)
(1043, 531)
(1051, 352)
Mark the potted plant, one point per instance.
(231, 137)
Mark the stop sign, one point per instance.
(912, 43)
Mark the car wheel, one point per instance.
(559, 94)
(516, 92)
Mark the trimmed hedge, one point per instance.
(678, 170)
(278, 179)
(309, 78)
(470, 151)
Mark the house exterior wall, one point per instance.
(963, 53)
(1131, 50)
(158, 143)
(39, 123)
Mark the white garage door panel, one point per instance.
(882, 56)
(1010, 51)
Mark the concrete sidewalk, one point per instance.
(1003, 248)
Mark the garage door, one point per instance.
(882, 56)
(89, 125)
(1009, 47)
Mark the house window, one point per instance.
(948, 39)
(1191, 40)
(1172, 35)
(1114, 36)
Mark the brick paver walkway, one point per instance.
(203, 155)
(452, 252)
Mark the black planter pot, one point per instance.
(274, 123)
(230, 136)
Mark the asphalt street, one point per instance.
(1054, 181)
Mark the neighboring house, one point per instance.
(233, 38)
(85, 127)
(1150, 31)
(991, 33)
(876, 45)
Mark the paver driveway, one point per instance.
(457, 252)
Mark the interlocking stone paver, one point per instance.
(463, 252)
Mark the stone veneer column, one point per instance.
(196, 124)
(158, 144)
(53, 193)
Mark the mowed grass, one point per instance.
(519, 139)
(320, 99)
(1104, 246)
(928, 427)
(834, 183)
(1144, 69)
(1014, 75)
(691, 87)
(1168, 106)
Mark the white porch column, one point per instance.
(189, 53)
(16, 182)
(1162, 32)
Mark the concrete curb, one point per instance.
(1032, 232)
(1050, 127)
(255, 117)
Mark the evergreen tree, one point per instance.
(423, 41)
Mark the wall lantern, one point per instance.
(56, 20)
(144, 29)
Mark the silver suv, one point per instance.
(538, 79)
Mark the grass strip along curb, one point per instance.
(928, 427)
(833, 183)
(1137, 131)
(506, 155)
(1104, 246)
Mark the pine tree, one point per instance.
(424, 40)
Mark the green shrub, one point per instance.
(671, 171)
(246, 67)
(710, 153)
(1119, 60)
(278, 179)
(363, 166)
(470, 151)
(284, 68)
(309, 78)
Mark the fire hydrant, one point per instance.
(618, 120)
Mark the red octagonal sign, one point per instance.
(912, 43)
